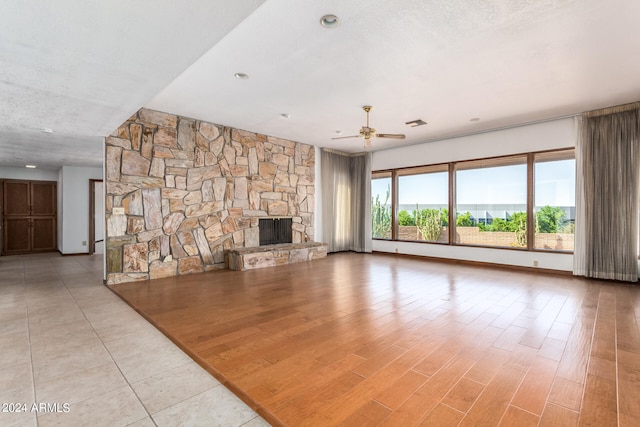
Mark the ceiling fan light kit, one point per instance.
(367, 132)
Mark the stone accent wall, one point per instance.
(180, 192)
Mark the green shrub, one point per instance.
(405, 219)
(464, 220)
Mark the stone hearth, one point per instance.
(273, 255)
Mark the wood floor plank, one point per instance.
(566, 393)
(628, 336)
(463, 395)
(555, 416)
(573, 365)
(442, 416)
(375, 339)
(428, 396)
(313, 382)
(490, 407)
(370, 414)
(534, 390)
(394, 395)
(488, 365)
(599, 403)
(517, 417)
(628, 387)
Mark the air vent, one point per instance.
(414, 123)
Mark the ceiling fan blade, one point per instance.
(345, 137)
(391, 135)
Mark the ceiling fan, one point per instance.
(368, 132)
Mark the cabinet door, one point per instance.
(43, 198)
(17, 235)
(16, 198)
(43, 234)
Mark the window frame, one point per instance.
(421, 170)
(492, 162)
(451, 168)
(550, 156)
(381, 175)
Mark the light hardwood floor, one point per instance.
(379, 339)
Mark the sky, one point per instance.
(554, 186)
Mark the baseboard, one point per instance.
(481, 264)
(74, 254)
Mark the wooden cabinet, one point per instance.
(29, 218)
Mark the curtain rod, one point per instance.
(612, 110)
(342, 153)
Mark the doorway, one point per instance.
(29, 217)
(96, 216)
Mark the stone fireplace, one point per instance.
(275, 230)
(182, 193)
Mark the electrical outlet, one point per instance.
(535, 263)
(396, 250)
(84, 243)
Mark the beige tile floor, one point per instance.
(67, 339)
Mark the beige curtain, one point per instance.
(346, 201)
(607, 194)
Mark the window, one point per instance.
(555, 200)
(491, 202)
(524, 201)
(381, 205)
(423, 204)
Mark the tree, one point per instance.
(381, 216)
(550, 219)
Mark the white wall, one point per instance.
(99, 221)
(537, 137)
(28, 174)
(74, 215)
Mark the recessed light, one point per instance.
(46, 130)
(241, 76)
(285, 115)
(329, 21)
(475, 119)
(30, 166)
(339, 132)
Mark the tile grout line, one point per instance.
(107, 350)
(152, 376)
(33, 374)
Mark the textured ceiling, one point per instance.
(83, 68)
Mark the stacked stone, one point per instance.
(192, 190)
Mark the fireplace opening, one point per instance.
(275, 230)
